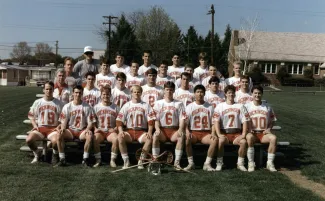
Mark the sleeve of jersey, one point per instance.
(121, 115)
(188, 113)
(272, 115)
(91, 115)
(183, 115)
(156, 110)
(244, 115)
(216, 114)
(64, 114)
(151, 114)
(32, 113)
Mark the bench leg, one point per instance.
(260, 163)
(45, 149)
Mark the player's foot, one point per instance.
(37, 158)
(251, 166)
(112, 164)
(55, 159)
(140, 166)
(270, 166)
(177, 165)
(61, 163)
(85, 162)
(219, 166)
(98, 162)
(126, 164)
(241, 167)
(207, 167)
(190, 166)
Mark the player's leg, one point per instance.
(113, 138)
(31, 142)
(251, 139)
(241, 141)
(122, 140)
(87, 137)
(147, 141)
(189, 140)
(99, 137)
(55, 153)
(212, 141)
(156, 139)
(179, 139)
(222, 140)
(272, 140)
(61, 136)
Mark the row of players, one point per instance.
(165, 119)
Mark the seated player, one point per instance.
(146, 57)
(133, 78)
(77, 119)
(106, 114)
(184, 93)
(120, 94)
(162, 76)
(176, 69)
(228, 120)
(61, 89)
(192, 81)
(44, 115)
(91, 94)
(151, 92)
(262, 118)
(243, 95)
(214, 96)
(235, 80)
(138, 117)
(199, 128)
(119, 66)
(202, 71)
(170, 123)
(105, 77)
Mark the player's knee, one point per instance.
(249, 137)
(29, 140)
(243, 143)
(115, 140)
(222, 141)
(273, 139)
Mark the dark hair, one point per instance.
(230, 87)
(151, 71)
(104, 61)
(119, 54)
(199, 86)
(244, 77)
(90, 73)
(214, 79)
(78, 87)
(213, 67)
(49, 83)
(164, 62)
(189, 66)
(134, 61)
(258, 87)
(170, 85)
(177, 54)
(185, 74)
(147, 51)
(121, 75)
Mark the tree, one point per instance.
(257, 75)
(224, 51)
(216, 48)
(21, 52)
(191, 46)
(44, 54)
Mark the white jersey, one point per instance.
(92, 97)
(78, 116)
(175, 72)
(199, 116)
(214, 99)
(160, 81)
(136, 115)
(201, 73)
(230, 116)
(124, 69)
(191, 84)
(106, 116)
(151, 94)
(46, 113)
(169, 114)
(63, 94)
(235, 81)
(185, 96)
(120, 97)
(131, 80)
(243, 98)
(206, 80)
(261, 115)
(102, 80)
(143, 69)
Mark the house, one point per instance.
(271, 51)
(98, 54)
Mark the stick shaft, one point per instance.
(133, 166)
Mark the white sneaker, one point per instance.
(270, 166)
(177, 166)
(190, 166)
(98, 163)
(126, 164)
(112, 164)
(241, 167)
(251, 166)
(140, 167)
(207, 167)
(219, 166)
(35, 160)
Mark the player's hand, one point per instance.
(149, 136)
(180, 133)
(267, 131)
(87, 132)
(158, 132)
(35, 129)
(122, 134)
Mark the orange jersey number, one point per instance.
(138, 120)
(204, 121)
(259, 122)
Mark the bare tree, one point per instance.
(42, 52)
(21, 52)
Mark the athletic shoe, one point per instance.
(219, 166)
(140, 166)
(37, 158)
(126, 164)
(190, 166)
(112, 164)
(241, 167)
(270, 166)
(207, 167)
(98, 162)
(55, 159)
(251, 166)
(85, 162)
(61, 163)
(177, 166)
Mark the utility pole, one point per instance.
(109, 34)
(56, 53)
(212, 11)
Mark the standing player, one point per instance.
(262, 118)
(133, 78)
(176, 69)
(199, 128)
(213, 71)
(228, 120)
(170, 123)
(138, 117)
(119, 66)
(44, 115)
(214, 96)
(202, 71)
(146, 63)
(105, 77)
(61, 89)
(235, 80)
(184, 94)
(151, 92)
(91, 94)
(162, 76)
(243, 95)
(193, 81)
(77, 119)
(106, 113)
(120, 94)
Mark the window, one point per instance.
(269, 68)
(296, 69)
(316, 69)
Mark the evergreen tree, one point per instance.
(192, 45)
(224, 50)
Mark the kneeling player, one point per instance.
(44, 115)
(199, 128)
(138, 117)
(228, 119)
(77, 119)
(262, 118)
(169, 124)
(106, 113)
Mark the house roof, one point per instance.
(281, 46)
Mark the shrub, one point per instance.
(300, 82)
(282, 74)
(308, 73)
(257, 76)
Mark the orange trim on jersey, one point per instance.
(135, 134)
(201, 134)
(168, 132)
(45, 131)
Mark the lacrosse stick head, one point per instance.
(155, 168)
(143, 155)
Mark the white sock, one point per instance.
(55, 151)
(178, 154)
(208, 160)
(35, 153)
(113, 156)
(270, 157)
(86, 155)
(220, 160)
(240, 160)
(155, 152)
(190, 160)
(143, 155)
(125, 157)
(250, 154)
(62, 155)
(98, 155)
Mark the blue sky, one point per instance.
(74, 22)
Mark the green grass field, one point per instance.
(300, 115)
